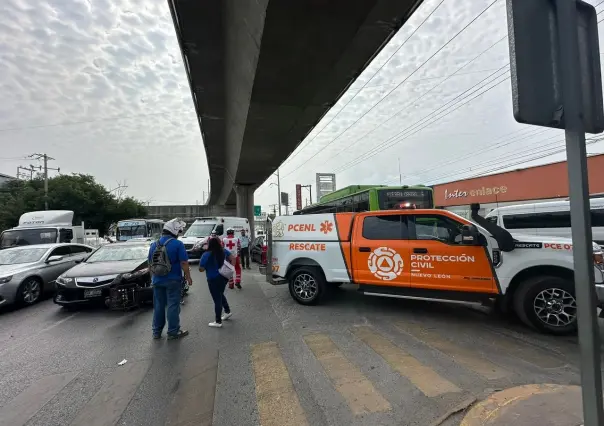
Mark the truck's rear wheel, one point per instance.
(307, 285)
(548, 304)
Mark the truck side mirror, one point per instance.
(470, 236)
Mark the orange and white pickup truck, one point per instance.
(430, 255)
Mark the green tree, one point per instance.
(90, 201)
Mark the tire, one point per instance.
(548, 304)
(30, 291)
(301, 285)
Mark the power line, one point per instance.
(406, 78)
(391, 142)
(367, 82)
(383, 143)
(504, 157)
(542, 153)
(471, 152)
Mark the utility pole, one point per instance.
(45, 158)
(400, 177)
(30, 170)
(279, 191)
(309, 187)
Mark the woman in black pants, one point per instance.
(211, 261)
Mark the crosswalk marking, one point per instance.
(278, 403)
(193, 402)
(460, 355)
(424, 378)
(24, 406)
(107, 405)
(348, 380)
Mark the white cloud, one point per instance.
(114, 67)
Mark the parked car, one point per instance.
(109, 266)
(258, 248)
(28, 272)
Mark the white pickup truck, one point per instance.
(431, 255)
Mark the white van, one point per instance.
(551, 219)
(197, 234)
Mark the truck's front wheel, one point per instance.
(548, 304)
(307, 285)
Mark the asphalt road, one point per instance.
(354, 361)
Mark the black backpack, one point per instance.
(160, 262)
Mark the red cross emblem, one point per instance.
(231, 244)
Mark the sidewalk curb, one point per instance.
(506, 407)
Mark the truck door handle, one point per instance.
(364, 249)
(420, 250)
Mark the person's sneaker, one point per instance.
(238, 286)
(215, 324)
(226, 316)
(156, 336)
(181, 333)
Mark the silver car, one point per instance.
(27, 272)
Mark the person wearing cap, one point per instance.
(167, 288)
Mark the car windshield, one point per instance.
(114, 253)
(131, 229)
(18, 256)
(200, 230)
(26, 237)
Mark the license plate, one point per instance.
(92, 293)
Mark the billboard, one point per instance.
(284, 199)
(326, 184)
(298, 197)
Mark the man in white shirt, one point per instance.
(245, 250)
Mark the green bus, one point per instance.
(361, 198)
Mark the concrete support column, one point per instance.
(245, 205)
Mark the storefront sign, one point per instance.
(536, 183)
(496, 190)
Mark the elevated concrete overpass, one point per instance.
(263, 72)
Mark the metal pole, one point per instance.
(279, 192)
(45, 182)
(310, 189)
(400, 177)
(576, 153)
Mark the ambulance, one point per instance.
(433, 255)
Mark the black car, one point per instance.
(122, 265)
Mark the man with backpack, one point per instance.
(167, 261)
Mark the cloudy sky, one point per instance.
(99, 86)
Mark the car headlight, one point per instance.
(4, 280)
(135, 274)
(64, 280)
(199, 244)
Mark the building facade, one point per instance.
(548, 182)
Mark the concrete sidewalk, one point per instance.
(529, 405)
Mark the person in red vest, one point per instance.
(233, 244)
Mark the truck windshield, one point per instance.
(396, 198)
(200, 230)
(26, 237)
(129, 231)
